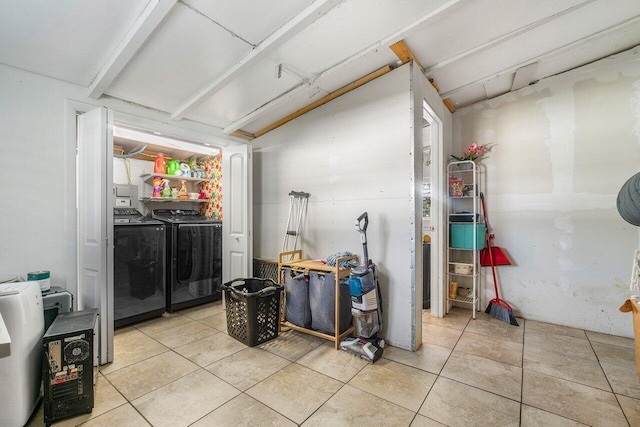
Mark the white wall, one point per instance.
(563, 148)
(136, 168)
(352, 155)
(38, 227)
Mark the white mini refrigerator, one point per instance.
(21, 330)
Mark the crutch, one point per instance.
(297, 207)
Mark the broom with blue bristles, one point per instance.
(498, 308)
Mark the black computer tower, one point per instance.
(68, 378)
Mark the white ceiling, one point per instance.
(245, 64)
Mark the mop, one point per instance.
(498, 308)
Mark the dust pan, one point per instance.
(498, 308)
(497, 253)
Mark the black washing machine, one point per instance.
(194, 257)
(139, 267)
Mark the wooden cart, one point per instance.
(294, 260)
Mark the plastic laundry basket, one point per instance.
(253, 307)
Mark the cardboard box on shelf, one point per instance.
(455, 187)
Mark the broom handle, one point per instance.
(493, 268)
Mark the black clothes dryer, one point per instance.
(194, 257)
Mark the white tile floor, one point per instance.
(183, 369)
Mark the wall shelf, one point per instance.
(149, 177)
(192, 185)
(167, 199)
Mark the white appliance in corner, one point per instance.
(21, 330)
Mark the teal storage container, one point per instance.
(461, 236)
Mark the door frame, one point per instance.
(437, 209)
(426, 103)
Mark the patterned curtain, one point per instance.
(212, 188)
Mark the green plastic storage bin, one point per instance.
(461, 236)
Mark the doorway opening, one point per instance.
(432, 211)
(89, 135)
(426, 215)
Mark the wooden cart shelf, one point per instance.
(294, 260)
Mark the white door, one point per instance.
(237, 213)
(95, 222)
(438, 217)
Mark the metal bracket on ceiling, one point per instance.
(294, 72)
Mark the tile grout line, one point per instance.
(198, 368)
(169, 349)
(440, 370)
(615, 395)
(128, 402)
(576, 382)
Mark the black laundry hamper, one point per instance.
(253, 308)
(298, 305)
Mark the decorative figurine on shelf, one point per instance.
(157, 187)
(182, 192)
(166, 189)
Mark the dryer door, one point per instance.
(199, 252)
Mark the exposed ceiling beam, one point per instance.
(498, 40)
(405, 55)
(145, 25)
(523, 76)
(405, 31)
(447, 103)
(242, 134)
(233, 127)
(393, 38)
(333, 95)
(559, 51)
(275, 40)
(390, 40)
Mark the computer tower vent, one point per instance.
(68, 365)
